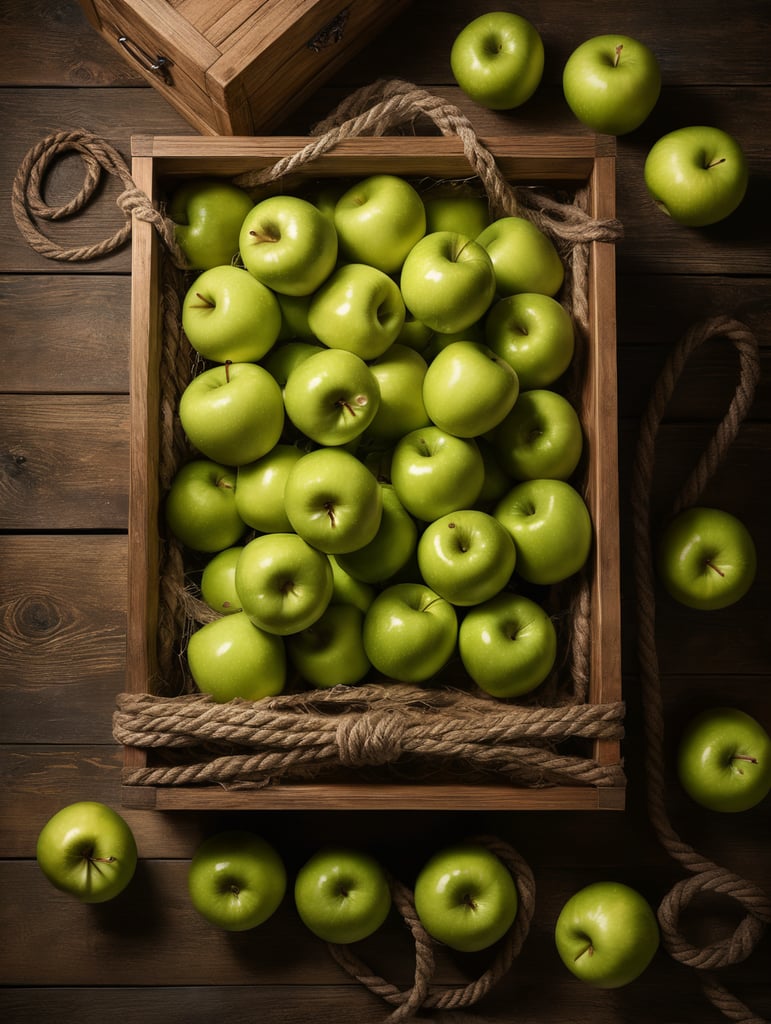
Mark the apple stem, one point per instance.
(470, 902)
(228, 363)
(587, 950)
(711, 565)
(205, 301)
(330, 510)
(714, 163)
(619, 48)
(265, 236)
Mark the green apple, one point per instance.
(496, 482)
(332, 396)
(284, 583)
(390, 549)
(87, 850)
(465, 215)
(724, 760)
(399, 373)
(466, 557)
(534, 334)
(468, 389)
(286, 356)
(348, 590)
(551, 528)
(333, 501)
(358, 308)
(378, 220)
(236, 880)
(434, 472)
(466, 897)
(541, 437)
(497, 60)
(447, 281)
(200, 506)
(612, 83)
(233, 413)
(232, 657)
(524, 258)
(508, 645)
(260, 487)
(288, 244)
(410, 632)
(294, 317)
(342, 894)
(706, 558)
(606, 934)
(697, 175)
(228, 316)
(330, 652)
(207, 215)
(218, 581)
(414, 334)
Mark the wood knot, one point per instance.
(373, 738)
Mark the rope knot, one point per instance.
(372, 738)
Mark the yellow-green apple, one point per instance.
(332, 396)
(288, 244)
(218, 581)
(435, 472)
(201, 508)
(508, 645)
(497, 60)
(231, 657)
(468, 389)
(697, 175)
(467, 215)
(87, 850)
(534, 334)
(524, 258)
(399, 373)
(496, 482)
(447, 281)
(409, 632)
(233, 413)
(612, 83)
(391, 547)
(541, 437)
(342, 894)
(207, 215)
(358, 308)
(707, 558)
(378, 220)
(606, 934)
(724, 760)
(227, 315)
(294, 317)
(284, 584)
(236, 880)
(333, 501)
(551, 528)
(348, 590)
(414, 334)
(285, 356)
(466, 897)
(260, 489)
(466, 556)
(330, 652)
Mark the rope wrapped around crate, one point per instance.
(705, 875)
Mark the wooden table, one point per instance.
(63, 515)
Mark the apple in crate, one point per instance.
(218, 581)
(288, 244)
(390, 549)
(330, 652)
(697, 175)
(236, 880)
(207, 215)
(612, 83)
(724, 760)
(378, 220)
(232, 657)
(227, 315)
(534, 334)
(399, 372)
(524, 258)
(201, 506)
(541, 437)
(87, 850)
(260, 487)
(497, 60)
(468, 215)
(342, 894)
(466, 897)
(707, 558)
(468, 389)
(607, 934)
(358, 308)
(435, 472)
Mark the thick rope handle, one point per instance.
(705, 875)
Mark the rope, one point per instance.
(705, 875)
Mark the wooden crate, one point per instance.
(237, 67)
(585, 165)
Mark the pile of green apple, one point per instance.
(382, 465)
